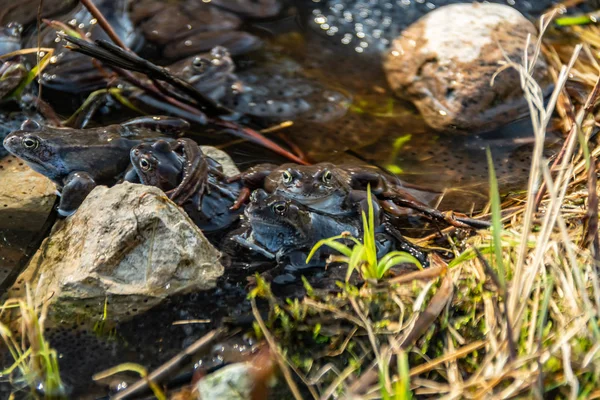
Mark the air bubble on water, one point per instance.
(93, 21)
(73, 22)
(188, 43)
(81, 26)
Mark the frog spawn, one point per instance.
(282, 91)
(368, 26)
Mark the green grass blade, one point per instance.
(496, 219)
(576, 20)
(330, 242)
(402, 386)
(356, 260)
(396, 259)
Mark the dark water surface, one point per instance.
(324, 42)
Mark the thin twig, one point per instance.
(170, 366)
(104, 24)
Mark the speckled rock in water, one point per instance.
(128, 244)
(26, 197)
(444, 63)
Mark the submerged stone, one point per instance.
(444, 64)
(128, 245)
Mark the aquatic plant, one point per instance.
(35, 366)
(362, 257)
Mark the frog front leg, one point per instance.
(250, 244)
(252, 178)
(76, 188)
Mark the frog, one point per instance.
(282, 229)
(77, 160)
(342, 190)
(187, 27)
(211, 73)
(277, 226)
(191, 179)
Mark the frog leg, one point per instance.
(131, 175)
(195, 173)
(253, 246)
(403, 199)
(252, 178)
(360, 199)
(166, 125)
(404, 245)
(77, 186)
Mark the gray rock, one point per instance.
(229, 167)
(444, 63)
(26, 197)
(128, 244)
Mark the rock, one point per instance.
(26, 197)
(229, 167)
(444, 63)
(129, 245)
(239, 381)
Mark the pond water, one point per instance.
(336, 45)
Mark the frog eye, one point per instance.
(327, 176)
(30, 143)
(287, 177)
(199, 64)
(145, 164)
(280, 207)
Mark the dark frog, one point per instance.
(190, 178)
(277, 226)
(76, 160)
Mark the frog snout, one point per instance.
(10, 143)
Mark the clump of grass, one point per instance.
(515, 313)
(35, 366)
(362, 257)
